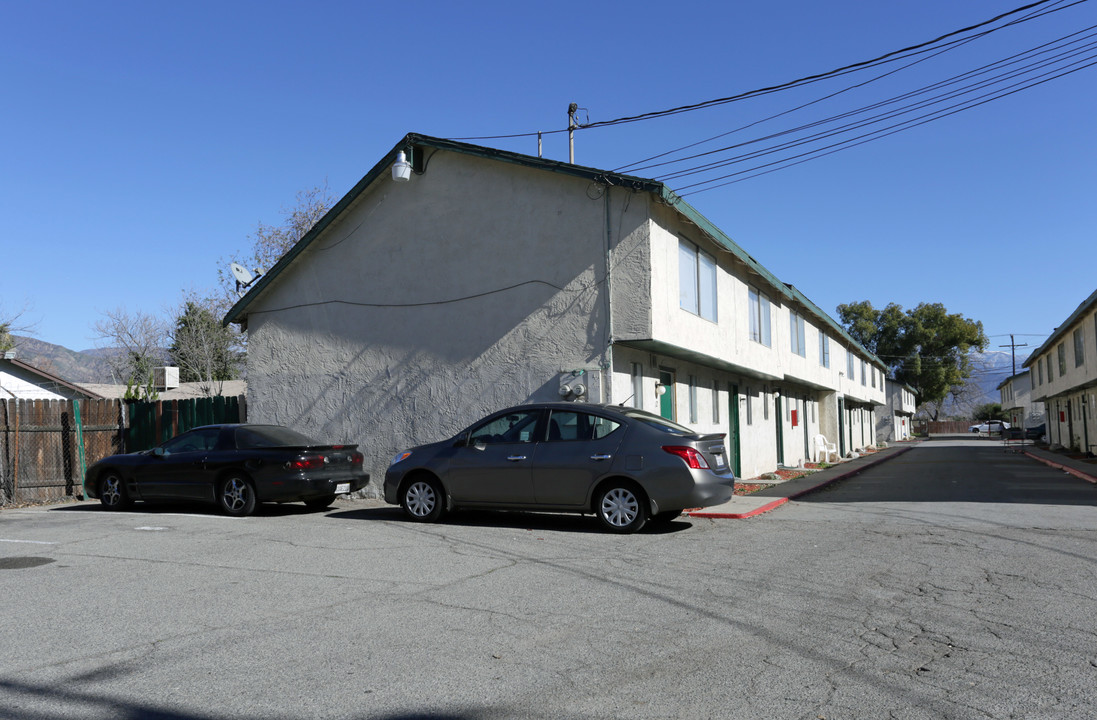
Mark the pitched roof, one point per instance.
(49, 379)
(662, 193)
(1060, 331)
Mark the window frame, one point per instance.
(697, 274)
(797, 333)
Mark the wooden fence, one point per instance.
(45, 445)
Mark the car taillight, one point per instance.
(357, 458)
(307, 463)
(693, 458)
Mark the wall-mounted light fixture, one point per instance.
(660, 389)
(401, 169)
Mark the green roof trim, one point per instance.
(238, 312)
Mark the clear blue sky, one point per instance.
(144, 141)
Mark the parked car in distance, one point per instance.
(623, 465)
(990, 426)
(235, 466)
(1035, 433)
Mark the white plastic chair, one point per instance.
(825, 451)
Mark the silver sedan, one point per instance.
(626, 466)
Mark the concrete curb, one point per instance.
(778, 502)
(1065, 468)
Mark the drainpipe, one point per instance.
(607, 354)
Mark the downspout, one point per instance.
(607, 353)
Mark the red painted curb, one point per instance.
(1064, 468)
(782, 500)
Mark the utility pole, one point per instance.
(572, 124)
(1013, 346)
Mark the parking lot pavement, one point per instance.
(745, 506)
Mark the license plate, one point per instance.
(720, 465)
(342, 488)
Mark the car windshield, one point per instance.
(656, 421)
(261, 436)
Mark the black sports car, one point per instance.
(235, 466)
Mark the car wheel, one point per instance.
(620, 507)
(112, 492)
(236, 496)
(422, 499)
(319, 503)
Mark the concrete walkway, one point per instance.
(745, 506)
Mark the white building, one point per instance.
(1016, 400)
(492, 278)
(893, 423)
(1064, 369)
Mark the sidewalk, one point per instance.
(1079, 468)
(745, 506)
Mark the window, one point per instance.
(567, 425)
(1039, 373)
(759, 317)
(692, 399)
(513, 427)
(638, 386)
(715, 402)
(1079, 347)
(696, 280)
(796, 333)
(824, 349)
(1062, 359)
(748, 398)
(863, 382)
(851, 367)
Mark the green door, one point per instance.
(666, 400)
(733, 428)
(780, 429)
(841, 427)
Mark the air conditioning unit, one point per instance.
(165, 378)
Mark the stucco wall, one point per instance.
(427, 305)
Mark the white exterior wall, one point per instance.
(13, 386)
(1069, 396)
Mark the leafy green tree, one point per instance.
(205, 351)
(924, 347)
(989, 411)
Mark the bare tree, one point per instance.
(136, 345)
(271, 242)
(11, 323)
(206, 352)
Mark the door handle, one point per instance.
(600, 457)
(516, 458)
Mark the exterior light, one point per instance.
(401, 169)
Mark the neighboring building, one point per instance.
(20, 381)
(491, 278)
(1064, 371)
(1017, 404)
(894, 418)
(180, 391)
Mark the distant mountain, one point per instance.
(86, 366)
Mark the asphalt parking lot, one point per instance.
(925, 587)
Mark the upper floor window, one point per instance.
(696, 280)
(796, 333)
(1079, 347)
(759, 317)
(851, 366)
(1062, 359)
(824, 349)
(863, 381)
(1050, 371)
(1039, 373)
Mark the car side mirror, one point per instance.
(158, 452)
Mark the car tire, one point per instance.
(112, 492)
(620, 507)
(236, 496)
(320, 503)
(422, 499)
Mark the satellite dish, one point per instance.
(241, 274)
